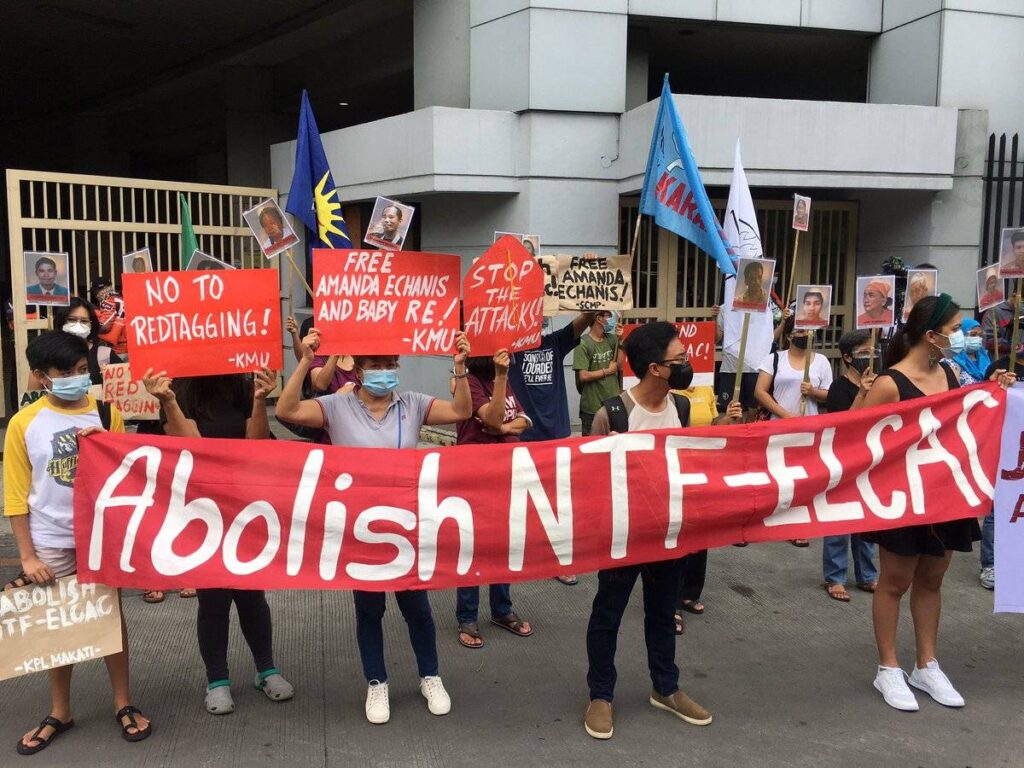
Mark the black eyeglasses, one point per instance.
(683, 358)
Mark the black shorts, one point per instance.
(724, 386)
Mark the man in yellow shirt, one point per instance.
(40, 465)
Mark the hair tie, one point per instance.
(940, 309)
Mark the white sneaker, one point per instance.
(891, 684)
(438, 701)
(934, 682)
(378, 710)
(988, 577)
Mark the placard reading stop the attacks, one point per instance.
(385, 303)
(202, 323)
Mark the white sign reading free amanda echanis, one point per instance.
(53, 625)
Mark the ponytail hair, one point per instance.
(929, 314)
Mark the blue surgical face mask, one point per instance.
(973, 343)
(70, 388)
(379, 383)
(956, 343)
(609, 325)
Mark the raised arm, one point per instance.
(257, 427)
(460, 407)
(176, 424)
(493, 414)
(290, 406)
(322, 376)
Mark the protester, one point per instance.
(228, 406)
(497, 418)
(110, 312)
(971, 364)
(40, 464)
(79, 319)
(916, 557)
(847, 391)
(376, 415)
(538, 382)
(725, 382)
(597, 362)
(780, 383)
(658, 357)
(997, 328)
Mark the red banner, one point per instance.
(161, 513)
(203, 322)
(504, 299)
(385, 303)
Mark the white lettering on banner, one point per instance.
(334, 530)
(526, 486)
(971, 400)
(433, 514)
(300, 512)
(936, 453)
(405, 556)
(106, 499)
(898, 506)
(786, 476)
(251, 512)
(179, 516)
(677, 479)
(825, 510)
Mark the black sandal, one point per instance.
(41, 743)
(130, 712)
(513, 624)
(19, 581)
(471, 629)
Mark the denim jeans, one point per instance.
(691, 576)
(415, 608)
(467, 602)
(660, 585)
(988, 541)
(835, 558)
(586, 423)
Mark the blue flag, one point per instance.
(673, 192)
(312, 196)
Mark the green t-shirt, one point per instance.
(594, 355)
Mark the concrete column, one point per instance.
(440, 42)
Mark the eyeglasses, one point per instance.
(683, 358)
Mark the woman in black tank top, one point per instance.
(916, 557)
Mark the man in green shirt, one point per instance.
(597, 362)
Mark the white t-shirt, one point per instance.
(787, 383)
(640, 418)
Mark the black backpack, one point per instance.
(618, 411)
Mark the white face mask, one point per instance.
(79, 328)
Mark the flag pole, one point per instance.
(871, 359)
(808, 354)
(636, 236)
(742, 355)
(790, 295)
(1015, 335)
(302, 277)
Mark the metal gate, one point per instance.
(1004, 194)
(674, 280)
(98, 219)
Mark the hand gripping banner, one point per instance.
(161, 513)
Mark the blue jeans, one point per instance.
(834, 559)
(988, 541)
(467, 602)
(661, 586)
(415, 607)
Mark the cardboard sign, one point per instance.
(47, 626)
(204, 323)
(503, 299)
(130, 396)
(875, 299)
(587, 282)
(813, 307)
(1011, 252)
(921, 283)
(698, 339)
(801, 213)
(991, 290)
(753, 285)
(47, 279)
(384, 303)
(270, 227)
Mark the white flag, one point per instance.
(741, 232)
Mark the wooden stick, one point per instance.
(871, 358)
(995, 334)
(791, 294)
(1015, 335)
(742, 356)
(808, 354)
(636, 236)
(302, 277)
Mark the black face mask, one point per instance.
(680, 375)
(859, 364)
(800, 342)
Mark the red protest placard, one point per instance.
(385, 303)
(503, 299)
(699, 342)
(203, 323)
(130, 396)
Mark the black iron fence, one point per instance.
(1004, 193)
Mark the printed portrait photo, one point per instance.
(991, 289)
(801, 212)
(813, 306)
(201, 261)
(270, 227)
(530, 242)
(753, 286)
(920, 283)
(876, 299)
(46, 277)
(389, 224)
(137, 261)
(1011, 253)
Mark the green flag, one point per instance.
(189, 244)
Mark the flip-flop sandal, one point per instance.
(470, 630)
(692, 606)
(19, 581)
(837, 592)
(867, 586)
(130, 712)
(40, 742)
(800, 542)
(186, 593)
(152, 596)
(680, 626)
(569, 581)
(513, 624)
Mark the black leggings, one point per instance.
(214, 620)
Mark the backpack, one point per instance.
(591, 347)
(763, 414)
(618, 409)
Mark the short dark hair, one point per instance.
(55, 350)
(648, 344)
(850, 340)
(398, 210)
(819, 294)
(273, 213)
(1016, 237)
(60, 316)
(45, 260)
(361, 360)
(751, 266)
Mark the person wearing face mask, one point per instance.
(597, 362)
(79, 319)
(378, 415)
(847, 391)
(916, 557)
(973, 361)
(658, 357)
(40, 465)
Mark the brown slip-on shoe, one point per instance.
(682, 706)
(597, 720)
